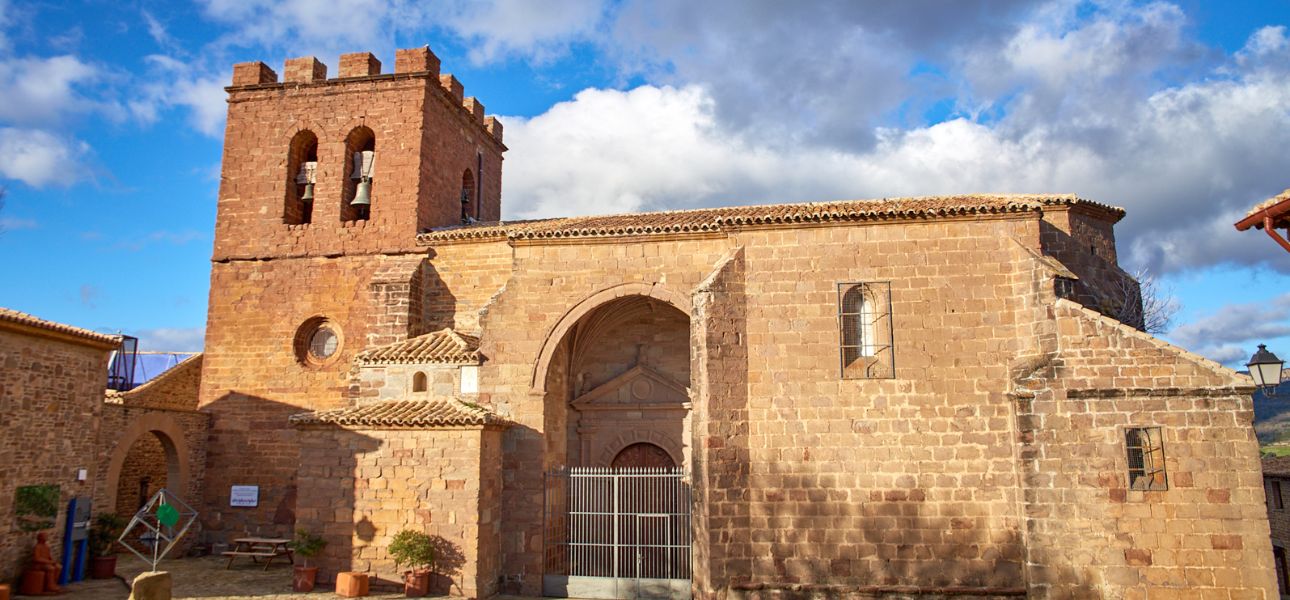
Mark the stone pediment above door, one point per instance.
(640, 388)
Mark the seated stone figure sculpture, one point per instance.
(41, 576)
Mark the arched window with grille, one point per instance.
(865, 334)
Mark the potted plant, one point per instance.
(103, 534)
(307, 545)
(416, 550)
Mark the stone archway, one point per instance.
(167, 431)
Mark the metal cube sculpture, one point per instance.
(163, 521)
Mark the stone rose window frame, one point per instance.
(1145, 447)
(866, 347)
(318, 342)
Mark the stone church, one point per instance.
(938, 396)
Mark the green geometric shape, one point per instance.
(167, 515)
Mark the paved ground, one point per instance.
(206, 578)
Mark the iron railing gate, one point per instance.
(617, 533)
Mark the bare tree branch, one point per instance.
(1146, 305)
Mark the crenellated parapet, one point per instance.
(359, 66)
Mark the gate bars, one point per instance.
(628, 523)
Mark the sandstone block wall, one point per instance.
(358, 488)
(253, 378)
(51, 398)
(1089, 532)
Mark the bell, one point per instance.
(364, 195)
(308, 195)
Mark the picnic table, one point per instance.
(257, 548)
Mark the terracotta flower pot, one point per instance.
(304, 579)
(103, 567)
(416, 583)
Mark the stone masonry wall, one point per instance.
(51, 397)
(253, 378)
(358, 488)
(145, 459)
(722, 544)
(1090, 534)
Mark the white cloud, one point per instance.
(43, 90)
(172, 339)
(175, 83)
(537, 30)
(39, 158)
(1231, 333)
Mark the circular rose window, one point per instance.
(322, 344)
(317, 341)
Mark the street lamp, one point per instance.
(1265, 368)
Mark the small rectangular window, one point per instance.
(1146, 449)
(865, 331)
(1277, 501)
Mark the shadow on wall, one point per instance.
(1102, 286)
(439, 305)
(901, 543)
(448, 561)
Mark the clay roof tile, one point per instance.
(703, 220)
(9, 315)
(403, 413)
(440, 347)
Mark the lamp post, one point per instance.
(1265, 368)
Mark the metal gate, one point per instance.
(617, 533)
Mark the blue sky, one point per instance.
(111, 115)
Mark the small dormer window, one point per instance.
(419, 382)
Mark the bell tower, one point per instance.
(325, 184)
(318, 166)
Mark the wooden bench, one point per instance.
(257, 548)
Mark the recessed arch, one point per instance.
(297, 208)
(468, 203)
(171, 435)
(586, 306)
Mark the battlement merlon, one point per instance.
(363, 66)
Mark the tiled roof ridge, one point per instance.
(444, 346)
(121, 397)
(700, 220)
(404, 413)
(21, 318)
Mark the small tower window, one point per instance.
(419, 382)
(1146, 450)
(360, 153)
(468, 212)
(302, 165)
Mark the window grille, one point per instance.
(865, 331)
(1146, 448)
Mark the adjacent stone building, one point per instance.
(904, 397)
(52, 378)
(1276, 484)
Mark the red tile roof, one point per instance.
(719, 219)
(8, 315)
(404, 413)
(440, 347)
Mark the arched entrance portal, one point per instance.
(616, 399)
(151, 451)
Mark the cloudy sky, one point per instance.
(111, 117)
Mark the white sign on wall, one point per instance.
(244, 495)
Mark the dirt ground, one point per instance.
(208, 579)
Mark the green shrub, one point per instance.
(412, 548)
(307, 544)
(104, 532)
